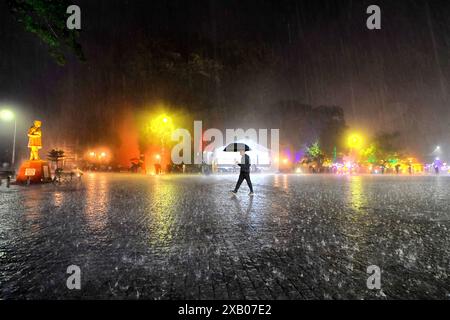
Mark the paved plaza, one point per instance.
(186, 237)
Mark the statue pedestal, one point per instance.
(37, 171)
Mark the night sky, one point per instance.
(317, 52)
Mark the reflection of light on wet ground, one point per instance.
(170, 230)
(285, 181)
(280, 180)
(33, 201)
(163, 203)
(58, 198)
(244, 208)
(97, 201)
(356, 222)
(357, 198)
(276, 180)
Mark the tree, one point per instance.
(314, 154)
(384, 149)
(47, 20)
(330, 121)
(370, 154)
(304, 124)
(55, 156)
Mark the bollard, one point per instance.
(28, 181)
(8, 181)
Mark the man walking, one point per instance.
(245, 173)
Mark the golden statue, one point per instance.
(35, 140)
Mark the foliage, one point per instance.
(303, 124)
(56, 155)
(315, 154)
(369, 154)
(331, 122)
(384, 149)
(47, 20)
(314, 150)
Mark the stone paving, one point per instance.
(186, 237)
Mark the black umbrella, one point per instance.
(236, 147)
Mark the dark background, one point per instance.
(312, 52)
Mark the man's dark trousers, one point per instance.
(244, 176)
(245, 173)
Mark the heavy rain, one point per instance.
(125, 125)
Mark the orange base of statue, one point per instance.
(36, 171)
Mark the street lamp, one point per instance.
(162, 126)
(355, 141)
(8, 115)
(437, 150)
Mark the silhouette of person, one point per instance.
(245, 173)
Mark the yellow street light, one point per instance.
(162, 125)
(355, 141)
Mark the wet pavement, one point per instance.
(299, 237)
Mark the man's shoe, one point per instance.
(233, 192)
(251, 194)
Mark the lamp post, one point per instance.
(438, 150)
(162, 126)
(8, 115)
(355, 143)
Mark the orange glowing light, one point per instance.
(98, 155)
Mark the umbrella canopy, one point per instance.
(236, 147)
